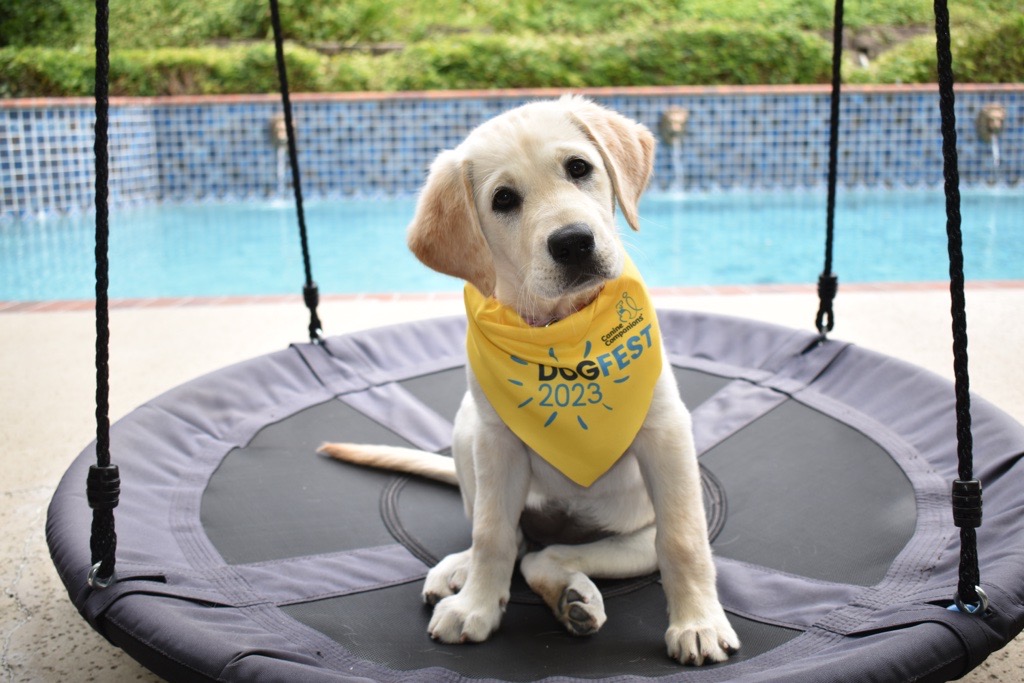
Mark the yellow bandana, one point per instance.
(578, 390)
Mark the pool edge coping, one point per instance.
(499, 93)
(79, 305)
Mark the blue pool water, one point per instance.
(359, 245)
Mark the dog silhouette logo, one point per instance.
(627, 308)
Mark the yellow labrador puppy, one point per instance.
(603, 473)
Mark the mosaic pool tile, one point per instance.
(197, 149)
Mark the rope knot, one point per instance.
(103, 487)
(967, 503)
(828, 285)
(311, 295)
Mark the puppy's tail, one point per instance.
(420, 463)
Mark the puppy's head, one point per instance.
(524, 208)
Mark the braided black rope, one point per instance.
(102, 485)
(828, 283)
(966, 490)
(310, 292)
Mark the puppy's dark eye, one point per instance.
(505, 200)
(578, 169)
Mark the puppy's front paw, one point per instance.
(703, 641)
(446, 578)
(461, 619)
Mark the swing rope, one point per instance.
(828, 283)
(103, 482)
(966, 490)
(310, 292)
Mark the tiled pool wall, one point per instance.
(202, 148)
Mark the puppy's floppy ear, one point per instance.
(626, 147)
(445, 232)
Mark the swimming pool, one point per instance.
(358, 246)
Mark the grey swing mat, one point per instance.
(244, 555)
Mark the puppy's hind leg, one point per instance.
(561, 574)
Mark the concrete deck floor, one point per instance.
(47, 390)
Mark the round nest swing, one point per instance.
(240, 555)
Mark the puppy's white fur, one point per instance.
(648, 506)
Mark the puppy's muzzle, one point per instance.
(573, 248)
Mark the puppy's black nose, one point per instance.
(572, 245)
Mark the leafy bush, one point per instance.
(676, 55)
(704, 54)
(55, 23)
(986, 56)
(487, 62)
(353, 73)
(223, 46)
(37, 71)
(995, 56)
(192, 23)
(888, 13)
(911, 62)
(165, 71)
(316, 20)
(673, 56)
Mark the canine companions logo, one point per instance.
(627, 308)
(576, 391)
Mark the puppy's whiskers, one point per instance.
(526, 303)
(634, 246)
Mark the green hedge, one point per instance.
(675, 55)
(716, 55)
(996, 56)
(193, 23)
(680, 53)
(40, 72)
(35, 72)
(993, 55)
